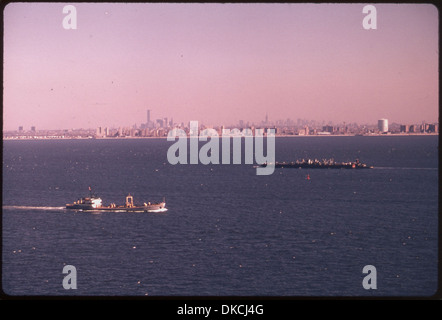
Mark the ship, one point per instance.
(324, 164)
(95, 203)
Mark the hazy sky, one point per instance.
(218, 63)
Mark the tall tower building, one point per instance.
(148, 116)
(383, 125)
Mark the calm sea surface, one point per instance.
(228, 231)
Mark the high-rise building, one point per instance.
(148, 117)
(328, 129)
(404, 128)
(383, 125)
(33, 129)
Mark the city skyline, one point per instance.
(265, 122)
(163, 127)
(218, 63)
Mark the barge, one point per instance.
(324, 164)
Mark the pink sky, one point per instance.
(218, 63)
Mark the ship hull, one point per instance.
(160, 207)
(94, 203)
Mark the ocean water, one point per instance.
(228, 231)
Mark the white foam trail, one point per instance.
(33, 208)
(403, 168)
(158, 210)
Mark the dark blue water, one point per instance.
(228, 232)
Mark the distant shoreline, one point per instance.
(276, 136)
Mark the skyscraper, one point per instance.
(383, 125)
